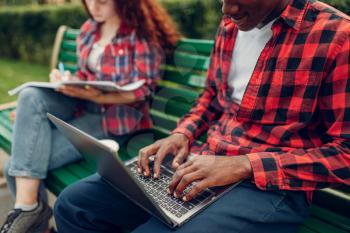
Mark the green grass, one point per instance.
(14, 73)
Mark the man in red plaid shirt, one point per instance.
(291, 129)
(277, 112)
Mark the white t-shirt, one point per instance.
(246, 52)
(94, 58)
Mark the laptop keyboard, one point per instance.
(157, 189)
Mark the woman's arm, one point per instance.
(99, 97)
(127, 97)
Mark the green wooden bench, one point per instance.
(182, 81)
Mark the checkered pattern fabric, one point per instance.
(294, 120)
(127, 59)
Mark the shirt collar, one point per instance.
(292, 15)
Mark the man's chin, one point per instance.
(244, 25)
(245, 28)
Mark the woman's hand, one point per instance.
(87, 93)
(208, 171)
(56, 76)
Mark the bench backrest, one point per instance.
(183, 75)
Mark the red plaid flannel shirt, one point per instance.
(294, 120)
(127, 59)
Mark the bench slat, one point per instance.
(171, 107)
(190, 61)
(5, 145)
(321, 226)
(69, 45)
(71, 34)
(330, 217)
(182, 95)
(194, 45)
(78, 170)
(5, 134)
(164, 121)
(62, 177)
(335, 200)
(188, 79)
(53, 187)
(72, 68)
(68, 57)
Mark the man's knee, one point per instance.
(77, 197)
(68, 212)
(72, 210)
(66, 202)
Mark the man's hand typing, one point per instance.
(208, 171)
(175, 144)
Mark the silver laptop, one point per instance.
(148, 193)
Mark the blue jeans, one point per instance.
(93, 206)
(38, 146)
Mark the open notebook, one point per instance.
(107, 86)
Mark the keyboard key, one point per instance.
(157, 188)
(206, 193)
(188, 205)
(179, 201)
(183, 210)
(201, 197)
(194, 201)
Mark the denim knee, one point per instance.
(32, 97)
(30, 93)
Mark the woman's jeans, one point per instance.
(37, 146)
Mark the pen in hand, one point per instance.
(62, 71)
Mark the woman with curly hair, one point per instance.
(123, 41)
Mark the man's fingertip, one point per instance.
(175, 164)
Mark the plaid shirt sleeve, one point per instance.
(146, 67)
(315, 168)
(206, 109)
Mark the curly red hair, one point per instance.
(150, 20)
